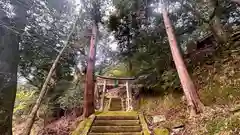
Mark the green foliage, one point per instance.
(25, 98)
(71, 97)
(170, 80)
(158, 131)
(66, 95)
(119, 70)
(49, 25)
(36, 56)
(142, 39)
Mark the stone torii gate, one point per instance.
(111, 84)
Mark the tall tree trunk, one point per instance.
(9, 58)
(194, 103)
(89, 83)
(30, 121)
(217, 29)
(215, 25)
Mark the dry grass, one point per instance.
(160, 104)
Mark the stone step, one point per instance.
(115, 104)
(123, 133)
(116, 122)
(115, 109)
(116, 117)
(115, 129)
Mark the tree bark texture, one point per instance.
(215, 24)
(218, 31)
(189, 89)
(30, 121)
(9, 58)
(89, 83)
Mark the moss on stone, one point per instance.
(84, 126)
(161, 131)
(144, 125)
(80, 127)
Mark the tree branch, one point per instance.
(198, 15)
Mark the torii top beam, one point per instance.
(115, 78)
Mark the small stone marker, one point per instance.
(158, 118)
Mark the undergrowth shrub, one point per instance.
(71, 98)
(170, 80)
(65, 96)
(25, 98)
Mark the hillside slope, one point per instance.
(217, 79)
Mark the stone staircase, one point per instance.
(114, 121)
(115, 104)
(116, 125)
